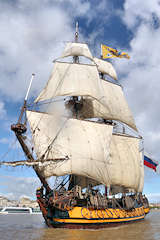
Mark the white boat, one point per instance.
(19, 210)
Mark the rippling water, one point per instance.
(32, 227)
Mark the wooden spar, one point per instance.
(22, 111)
(72, 180)
(29, 86)
(31, 162)
(25, 100)
(19, 129)
(30, 157)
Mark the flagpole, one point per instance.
(76, 58)
(101, 52)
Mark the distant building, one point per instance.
(23, 202)
(26, 202)
(5, 202)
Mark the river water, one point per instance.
(32, 227)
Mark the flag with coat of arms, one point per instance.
(108, 52)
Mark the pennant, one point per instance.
(150, 163)
(108, 52)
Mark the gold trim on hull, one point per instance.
(84, 216)
(89, 221)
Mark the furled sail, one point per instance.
(86, 149)
(77, 49)
(72, 79)
(112, 106)
(105, 67)
(85, 181)
(114, 189)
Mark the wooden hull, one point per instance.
(84, 218)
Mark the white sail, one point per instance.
(71, 79)
(112, 106)
(116, 104)
(141, 181)
(77, 49)
(86, 149)
(86, 144)
(44, 130)
(126, 164)
(105, 67)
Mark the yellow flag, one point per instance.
(108, 52)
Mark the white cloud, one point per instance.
(28, 41)
(135, 11)
(2, 110)
(16, 187)
(140, 75)
(32, 35)
(153, 197)
(4, 140)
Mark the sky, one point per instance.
(33, 34)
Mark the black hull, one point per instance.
(78, 217)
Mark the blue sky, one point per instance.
(34, 34)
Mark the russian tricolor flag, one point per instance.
(150, 163)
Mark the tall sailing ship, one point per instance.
(84, 134)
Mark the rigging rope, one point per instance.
(49, 147)
(9, 149)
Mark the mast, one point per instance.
(72, 177)
(101, 57)
(25, 100)
(76, 33)
(76, 58)
(19, 129)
